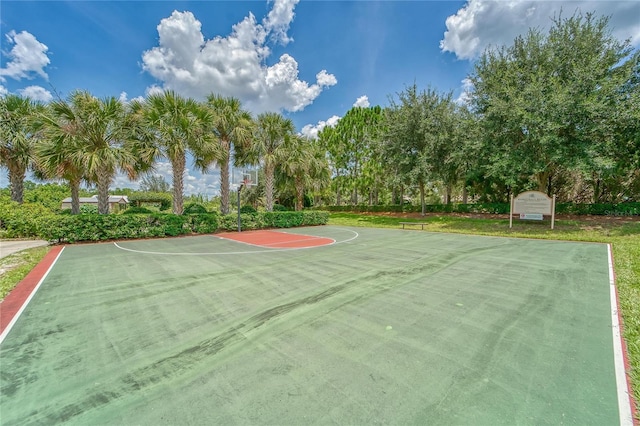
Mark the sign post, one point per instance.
(533, 205)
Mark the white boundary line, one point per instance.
(24, 305)
(624, 402)
(271, 250)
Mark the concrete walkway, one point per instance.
(8, 247)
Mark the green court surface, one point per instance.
(385, 326)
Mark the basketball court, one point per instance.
(317, 325)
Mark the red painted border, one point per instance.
(276, 239)
(11, 304)
(627, 364)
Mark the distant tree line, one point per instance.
(557, 112)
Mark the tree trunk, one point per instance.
(16, 180)
(225, 185)
(542, 179)
(104, 180)
(75, 196)
(178, 165)
(337, 180)
(596, 188)
(424, 207)
(465, 195)
(299, 194)
(268, 186)
(449, 190)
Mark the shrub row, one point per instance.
(429, 208)
(604, 209)
(31, 222)
(163, 200)
(21, 220)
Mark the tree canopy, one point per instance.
(557, 111)
(549, 103)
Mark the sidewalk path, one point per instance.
(8, 247)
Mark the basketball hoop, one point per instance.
(249, 178)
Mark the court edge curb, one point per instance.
(17, 300)
(626, 401)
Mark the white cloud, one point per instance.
(362, 101)
(3, 90)
(278, 20)
(28, 56)
(465, 92)
(482, 23)
(234, 65)
(325, 79)
(311, 131)
(194, 182)
(36, 93)
(153, 90)
(124, 97)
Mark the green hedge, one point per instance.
(33, 221)
(21, 220)
(621, 209)
(194, 208)
(163, 200)
(602, 209)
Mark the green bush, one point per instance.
(248, 210)
(35, 221)
(160, 199)
(21, 220)
(261, 220)
(599, 209)
(279, 208)
(88, 209)
(603, 209)
(205, 223)
(137, 210)
(110, 227)
(429, 208)
(193, 208)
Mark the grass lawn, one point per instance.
(624, 236)
(15, 267)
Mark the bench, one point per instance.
(413, 224)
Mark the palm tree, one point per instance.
(17, 140)
(268, 146)
(305, 168)
(58, 156)
(176, 126)
(232, 127)
(91, 136)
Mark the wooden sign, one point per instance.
(532, 205)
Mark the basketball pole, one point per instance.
(239, 219)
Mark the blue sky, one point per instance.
(310, 60)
